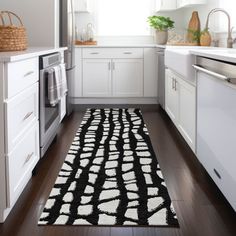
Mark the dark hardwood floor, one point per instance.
(201, 208)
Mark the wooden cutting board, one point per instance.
(193, 26)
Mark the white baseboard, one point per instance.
(77, 101)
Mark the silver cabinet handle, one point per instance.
(28, 73)
(113, 66)
(28, 115)
(28, 158)
(128, 53)
(109, 65)
(94, 53)
(173, 83)
(212, 73)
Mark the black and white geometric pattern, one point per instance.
(110, 176)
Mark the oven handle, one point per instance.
(212, 73)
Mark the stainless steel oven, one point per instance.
(49, 115)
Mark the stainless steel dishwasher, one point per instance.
(216, 123)
(161, 76)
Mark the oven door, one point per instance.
(49, 115)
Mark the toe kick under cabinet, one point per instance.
(19, 125)
(115, 73)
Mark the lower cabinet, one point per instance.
(20, 163)
(96, 78)
(115, 74)
(112, 77)
(127, 77)
(181, 106)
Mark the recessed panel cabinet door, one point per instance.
(171, 97)
(127, 77)
(187, 111)
(96, 78)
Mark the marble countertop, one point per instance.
(29, 53)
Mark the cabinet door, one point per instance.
(150, 72)
(81, 5)
(187, 111)
(171, 97)
(127, 77)
(96, 78)
(165, 5)
(188, 3)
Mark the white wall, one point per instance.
(40, 19)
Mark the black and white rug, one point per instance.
(110, 176)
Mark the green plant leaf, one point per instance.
(160, 22)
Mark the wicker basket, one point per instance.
(12, 37)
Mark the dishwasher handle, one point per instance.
(212, 73)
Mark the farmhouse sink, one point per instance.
(180, 60)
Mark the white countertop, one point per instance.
(122, 45)
(223, 54)
(29, 53)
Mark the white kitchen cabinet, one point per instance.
(190, 3)
(171, 100)
(127, 77)
(187, 111)
(181, 106)
(150, 66)
(82, 5)
(19, 139)
(20, 163)
(96, 77)
(115, 75)
(166, 5)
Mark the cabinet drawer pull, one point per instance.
(127, 53)
(109, 65)
(94, 53)
(113, 66)
(173, 83)
(217, 174)
(28, 115)
(28, 158)
(28, 73)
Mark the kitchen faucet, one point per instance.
(229, 39)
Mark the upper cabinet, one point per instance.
(189, 3)
(82, 6)
(166, 5)
(170, 5)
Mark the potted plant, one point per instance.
(162, 25)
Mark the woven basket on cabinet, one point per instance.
(12, 37)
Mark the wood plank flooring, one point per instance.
(201, 208)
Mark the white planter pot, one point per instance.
(161, 37)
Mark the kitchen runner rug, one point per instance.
(110, 176)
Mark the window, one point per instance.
(229, 6)
(123, 17)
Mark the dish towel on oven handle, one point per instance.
(57, 84)
(64, 87)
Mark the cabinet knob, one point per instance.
(127, 53)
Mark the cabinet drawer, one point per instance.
(21, 162)
(113, 53)
(21, 111)
(20, 75)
